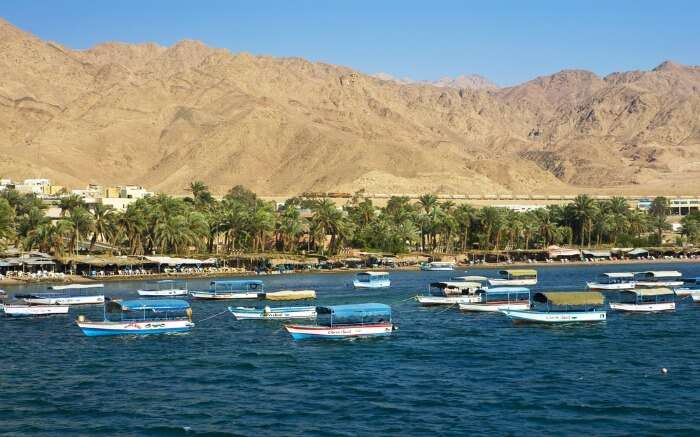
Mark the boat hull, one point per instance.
(98, 329)
(643, 307)
(163, 293)
(223, 296)
(34, 310)
(496, 282)
(273, 313)
(375, 284)
(620, 286)
(494, 307)
(68, 300)
(447, 300)
(291, 295)
(659, 283)
(301, 332)
(695, 295)
(556, 317)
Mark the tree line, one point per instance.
(241, 221)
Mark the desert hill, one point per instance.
(163, 116)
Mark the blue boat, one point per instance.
(139, 317)
(346, 321)
(233, 289)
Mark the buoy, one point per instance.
(664, 371)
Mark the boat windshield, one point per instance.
(359, 314)
(252, 285)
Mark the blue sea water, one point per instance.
(441, 373)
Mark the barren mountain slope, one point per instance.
(162, 117)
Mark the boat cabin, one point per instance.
(563, 301)
(354, 314)
(616, 278)
(147, 310)
(647, 295)
(518, 274)
(242, 285)
(437, 266)
(372, 280)
(663, 278)
(453, 288)
(504, 294)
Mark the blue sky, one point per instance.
(506, 41)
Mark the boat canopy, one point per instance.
(519, 273)
(360, 310)
(618, 275)
(75, 286)
(148, 304)
(373, 274)
(569, 297)
(237, 283)
(507, 290)
(471, 278)
(460, 285)
(660, 274)
(651, 292)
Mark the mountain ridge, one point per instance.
(163, 116)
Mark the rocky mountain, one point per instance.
(469, 81)
(163, 116)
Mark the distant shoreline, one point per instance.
(458, 268)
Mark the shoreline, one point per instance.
(198, 276)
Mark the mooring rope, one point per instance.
(211, 317)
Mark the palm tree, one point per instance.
(70, 203)
(290, 226)
(131, 225)
(83, 223)
(103, 216)
(327, 219)
(491, 222)
(464, 215)
(200, 193)
(7, 221)
(585, 209)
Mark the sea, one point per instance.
(441, 373)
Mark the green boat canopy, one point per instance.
(519, 273)
(569, 297)
(651, 291)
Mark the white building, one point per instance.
(37, 182)
(134, 192)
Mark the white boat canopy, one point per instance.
(374, 273)
(471, 278)
(650, 292)
(75, 286)
(460, 285)
(661, 274)
(618, 275)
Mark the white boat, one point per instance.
(659, 278)
(562, 307)
(279, 313)
(695, 295)
(516, 277)
(613, 281)
(372, 280)
(228, 290)
(438, 266)
(450, 293)
(346, 321)
(18, 310)
(646, 300)
(72, 294)
(500, 298)
(164, 288)
(140, 317)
